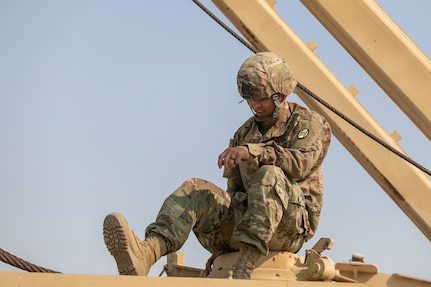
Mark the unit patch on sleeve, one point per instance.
(302, 134)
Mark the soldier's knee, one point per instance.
(269, 170)
(192, 182)
(201, 186)
(197, 183)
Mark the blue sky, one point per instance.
(110, 105)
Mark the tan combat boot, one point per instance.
(243, 267)
(133, 256)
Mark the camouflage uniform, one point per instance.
(273, 199)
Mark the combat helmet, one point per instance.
(265, 75)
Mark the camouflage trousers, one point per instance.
(271, 215)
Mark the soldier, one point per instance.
(274, 184)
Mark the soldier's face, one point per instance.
(262, 108)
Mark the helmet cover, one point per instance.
(263, 75)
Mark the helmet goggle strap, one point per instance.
(277, 104)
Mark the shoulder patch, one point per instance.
(303, 133)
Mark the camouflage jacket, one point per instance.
(297, 143)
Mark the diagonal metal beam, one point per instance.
(383, 50)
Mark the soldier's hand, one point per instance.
(232, 156)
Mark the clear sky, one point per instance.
(110, 105)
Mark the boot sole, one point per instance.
(115, 229)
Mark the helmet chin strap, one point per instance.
(274, 114)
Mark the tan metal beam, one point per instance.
(409, 187)
(383, 50)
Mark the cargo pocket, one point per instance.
(298, 210)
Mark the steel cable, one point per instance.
(10, 259)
